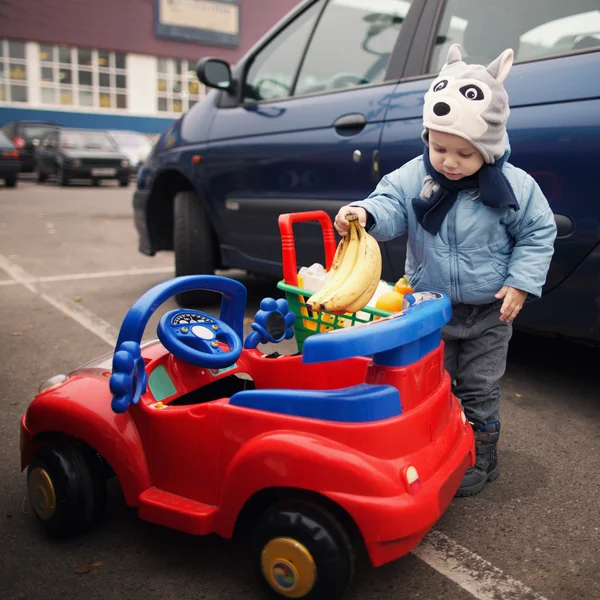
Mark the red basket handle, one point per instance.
(288, 247)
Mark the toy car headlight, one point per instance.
(52, 383)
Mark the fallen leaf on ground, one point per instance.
(87, 568)
(78, 298)
(17, 333)
(519, 395)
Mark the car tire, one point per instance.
(11, 181)
(62, 177)
(67, 488)
(39, 176)
(124, 182)
(301, 550)
(195, 245)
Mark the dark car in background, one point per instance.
(71, 154)
(133, 144)
(331, 99)
(9, 161)
(26, 135)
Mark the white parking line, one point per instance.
(470, 571)
(84, 276)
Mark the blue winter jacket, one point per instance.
(478, 249)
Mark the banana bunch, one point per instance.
(354, 274)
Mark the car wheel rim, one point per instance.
(42, 494)
(288, 567)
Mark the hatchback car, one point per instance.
(80, 154)
(26, 135)
(331, 99)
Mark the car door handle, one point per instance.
(350, 124)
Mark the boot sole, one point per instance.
(475, 489)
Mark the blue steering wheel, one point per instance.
(190, 335)
(194, 337)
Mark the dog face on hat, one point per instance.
(470, 101)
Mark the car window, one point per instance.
(87, 140)
(31, 132)
(127, 139)
(533, 29)
(273, 69)
(352, 44)
(4, 139)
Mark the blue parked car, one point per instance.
(331, 99)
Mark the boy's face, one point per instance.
(453, 156)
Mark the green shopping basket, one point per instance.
(308, 322)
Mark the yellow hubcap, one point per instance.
(288, 567)
(41, 494)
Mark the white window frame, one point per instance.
(6, 81)
(99, 94)
(171, 100)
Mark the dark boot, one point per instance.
(486, 462)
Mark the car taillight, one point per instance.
(19, 142)
(412, 479)
(10, 154)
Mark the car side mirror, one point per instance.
(215, 73)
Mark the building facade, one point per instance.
(119, 64)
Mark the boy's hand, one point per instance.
(342, 226)
(513, 302)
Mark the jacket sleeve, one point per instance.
(387, 207)
(534, 230)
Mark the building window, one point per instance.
(82, 77)
(13, 71)
(178, 88)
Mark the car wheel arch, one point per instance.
(131, 489)
(288, 448)
(261, 501)
(161, 206)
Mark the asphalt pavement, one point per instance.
(69, 271)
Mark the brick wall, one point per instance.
(125, 25)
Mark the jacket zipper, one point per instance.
(454, 252)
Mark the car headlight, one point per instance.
(52, 383)
(124, 163)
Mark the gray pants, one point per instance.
(476, 349)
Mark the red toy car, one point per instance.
(358, 440)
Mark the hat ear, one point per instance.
(500, 67)
(454, 55)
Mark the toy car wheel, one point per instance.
(67, 488)
(11, 181)
(195, 247)
(302, 551)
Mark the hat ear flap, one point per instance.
(500, 67)
(454, 55)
